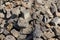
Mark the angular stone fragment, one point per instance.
(9, 37)
(8, 14)
(26, 30)
(22, 22)
(26, 13)
(1, 15)
(16, 11)
(56, 20)
(8, 6)
(37, 32)
(57, 29)
(52, 39)
(2, 22)
(10, 26)
(1, 30)
(2, 37)
(27, 3)
(49, 34)
(21, 37)
(15, 33)
(5, 32)
(37, 39)
(58, 14)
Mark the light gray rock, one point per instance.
(21, 37)
(5, 32)
(9, 37)
(15, 33)
(26, 30)
(16, 11)
(22, 22)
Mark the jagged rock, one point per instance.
(52, 39)
(9, 37)
(2, 37)
(1, 15)
(8, 14)
(15, 33)
(26, 12)
(37, 32)
(49, 34)
(21, 37)
(37, 39)
(22, 22)
(27, 3)
(5, 32)
(26, 30)
(16, 11)
(10, 26)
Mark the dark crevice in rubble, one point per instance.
(21, 15)
(13, 16)
(41, 13)
(52, 23)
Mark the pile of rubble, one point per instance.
(29, 19)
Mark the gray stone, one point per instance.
(9, 37)
(15, 33)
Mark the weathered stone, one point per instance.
(1, 15)
(27, 3)
(15, 33)
(22, 22)
(26, 30)
(37, 39)
(2, 37)
(1, 30)
(8, 14)
(21, 37)
(10, 26)
(49, 34)
(16, 11)
(5, 32)
(52, 39)
(37, 32)
(9, 37)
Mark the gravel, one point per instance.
(29, 19)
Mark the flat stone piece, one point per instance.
(15, 33)
(9, 37)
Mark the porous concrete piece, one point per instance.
(10, 26)
(15, 33)
(26, 30)
(2, 37)
(22, 22)
(49, 34)
(1, 15)
(16, 11)
(6, 32)
(37, 39)
(9, 37)
(21, 37)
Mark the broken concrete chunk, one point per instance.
(37, 39)
(8, 14)
(26, 30)
(5, 32)
(21, 37)
(2, 37)
(16, 11)
(1, 15)
(15, 33)
(9, 37)
(22, 22)
(10, 26)
(49, 34)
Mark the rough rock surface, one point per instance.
(29, 19)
